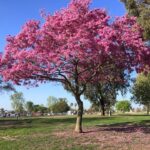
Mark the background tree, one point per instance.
(94, 107)
(29, 106)
(40, 108)
(123, 106)
(61, 106)
(56, 50)
(51, 100)
(140, 9)
(17, 102)
(104, 94)
(36, 108)
(141, 90)
(144, 108)
(43, 109)
(97, 94)
(2, 111)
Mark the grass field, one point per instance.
(130, 132)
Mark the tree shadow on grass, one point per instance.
(14, 121)
(73, 120)
(127, 127)
(14, 124)
(145, 115)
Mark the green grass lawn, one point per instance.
(56, 133)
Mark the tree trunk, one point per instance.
(78, 127)
(109, 112)
(102, 107)
(102, 111)
(148, 108)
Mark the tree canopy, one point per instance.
(140, 9)
(60, 106)
(104, 94)
(17, 101)
(40, 108)
(141, 90)
(123, 106)
(51, 100)
(29, 106)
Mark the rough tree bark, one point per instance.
(78, 127)
(102, 107)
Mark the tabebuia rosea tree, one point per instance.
(74, 46)
(5, 86)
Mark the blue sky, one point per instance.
(14, 13)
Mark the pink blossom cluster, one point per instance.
(75, 43)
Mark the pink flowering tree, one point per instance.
(5, 86)
(75, 46)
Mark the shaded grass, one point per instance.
(38, 133)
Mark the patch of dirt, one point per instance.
(129, 137)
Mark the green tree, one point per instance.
(17, 102)
(141, 90)
(43, 109)
(94, 108)
(123, 106)
(40, 108)
(51, 100)
(103, 94)
(36, 108)
(140, 9)
(29, 106)
(2, 111)
(61, 106)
